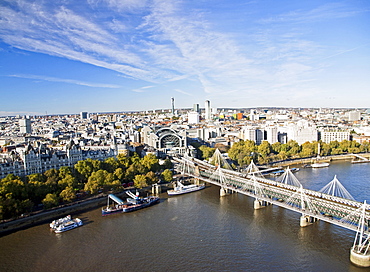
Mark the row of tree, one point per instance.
(243, 152)
(88, 177)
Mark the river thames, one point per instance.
(200, 231)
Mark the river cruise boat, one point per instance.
(65, 223)
(72, 224)
(132, 204)
(184, 189)
(60, 221)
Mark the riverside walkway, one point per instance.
(333, 206)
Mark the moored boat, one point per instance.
(184, 189)
(132, 204)
(320, 164)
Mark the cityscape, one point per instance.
(170, 135)
(34, 144)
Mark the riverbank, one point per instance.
(44, 216)
(314, 159)
(49, 215)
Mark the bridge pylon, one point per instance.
(258, 191)
(359, 253)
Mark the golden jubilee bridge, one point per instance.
(332, 204)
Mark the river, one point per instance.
(195, 232)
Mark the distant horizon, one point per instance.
(104, 55)
(184, 109)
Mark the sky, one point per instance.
(67, 56)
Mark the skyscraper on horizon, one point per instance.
(172, 105)
(207, 110)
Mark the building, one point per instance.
(25, 125)
(193, 117)
(172, 106)
(301, 132)
(354, 116)
(207, 110)
(166, 140)
(83, 115)
(330, 135)
(37, 158)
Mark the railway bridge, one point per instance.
(333, 204)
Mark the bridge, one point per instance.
(332, 204)
(360, 159)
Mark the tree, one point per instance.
(207, 152)
(37, 177)
(276, 147)
(98, 179)
(85, 168)
(65, 171)
(68, 194)
(151, 162)
(264, 149)
(167, 175)
(110, 164)
(140, 181)
(151, 178)
(52, 178)
(167, 164)
(123, 161)
(67, 181)
(307, 150)
(12, 187)
(294, 148)
(119, 174)
(51, 200)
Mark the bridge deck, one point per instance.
(339, 211)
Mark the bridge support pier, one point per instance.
(307, 220)
(156, 189)
(225, 191)
(358, 258)
(259, 204)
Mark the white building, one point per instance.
(207, 109)
(25, 125)
(193, 117)
(354, 116)
(302, 132)
(330, 135)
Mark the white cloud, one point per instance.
(69, 81)
(182, 92)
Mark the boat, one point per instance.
(55, 223)
(72, 224)
(184, 189)
(320, 164)
(132, 204)
(277, 173)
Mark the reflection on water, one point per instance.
(195, 232)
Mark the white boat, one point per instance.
(66, 224)
(184, 189)
(320, 164)
(60, 221)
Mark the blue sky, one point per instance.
(67, 56)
